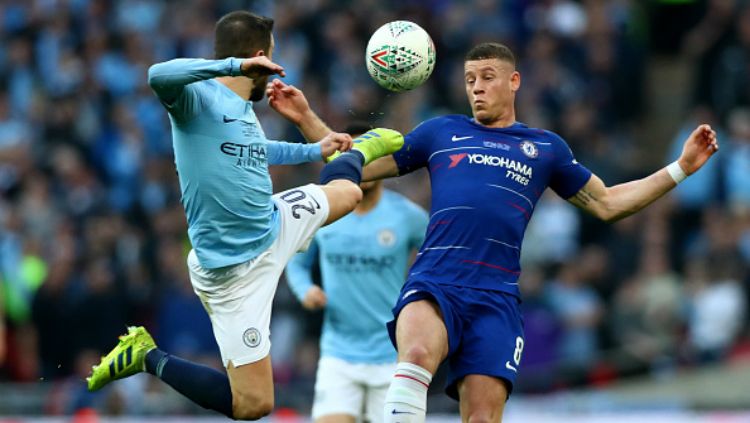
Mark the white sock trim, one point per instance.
(406, 399)
(414, 372)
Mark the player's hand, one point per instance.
(315, 298)
(333, 142)
(258, 66)
(287, 100)
(698, 148)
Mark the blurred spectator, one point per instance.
(3, 337)
(552, 219)
(542, 332)
(717, 306)
(732, 88)
(737, 163)
(704, 45)
(181, 321)
(647, 315)
(15, 143)
(580, 311)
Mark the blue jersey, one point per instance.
(222, 158)
(363, 262)
(485, 185)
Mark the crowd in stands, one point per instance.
(93, 235)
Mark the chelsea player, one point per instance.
(242, 236)
(461, 299)
(363, 259)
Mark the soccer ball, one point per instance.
(400, 56)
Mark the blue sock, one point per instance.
(202, 385)
(347, 166)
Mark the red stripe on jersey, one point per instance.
(494, 266)
(523, 210)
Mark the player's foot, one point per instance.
(126, 359)
(375, 144)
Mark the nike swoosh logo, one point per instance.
(401, 412)
(455, 138)
(510, 366)
(227, 119)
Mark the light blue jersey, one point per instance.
(363, 263)
(222, 158)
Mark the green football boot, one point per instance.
(126, 359)
(375, 144)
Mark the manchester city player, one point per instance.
(242, 236)
(363, 260)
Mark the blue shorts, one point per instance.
(485, 330)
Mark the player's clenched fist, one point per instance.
(315, 298)
(698, 148)
(258, 66)
(333, 142)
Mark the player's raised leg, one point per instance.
(340, 178)
(136, 352)
(422, 343)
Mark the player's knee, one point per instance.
(418, 354)
(251, 407)
(354, 193)
(349, 194)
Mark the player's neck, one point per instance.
(240, 85)
(370, 199)
(503, 120)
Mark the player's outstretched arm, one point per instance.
(168, 79)
(290, 102)
(286, 153)
(614, 203)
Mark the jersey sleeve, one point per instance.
(299, 271)
(287, 153)
(171, 82)
(416, 150)
(568, 176)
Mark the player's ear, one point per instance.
(515, 81)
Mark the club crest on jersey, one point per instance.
(386, 238)
(529, 149)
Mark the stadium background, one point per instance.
(646, 315)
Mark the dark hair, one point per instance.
(357, 127)
(491, 51)
(242, 34)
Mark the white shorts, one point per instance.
(342, 387)
(238, 298)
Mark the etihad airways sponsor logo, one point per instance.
(247, 155)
